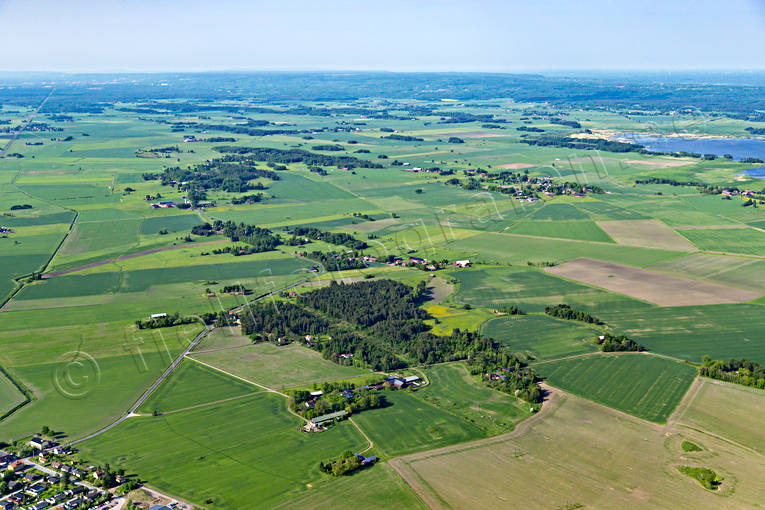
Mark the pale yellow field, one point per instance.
(584, 454)
(728, 410)
(646, 233)
(662, 289)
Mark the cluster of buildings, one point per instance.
(402, 382)
(35, 488)
(6, 230)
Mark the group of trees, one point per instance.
(167, 321)
(506, 373)
(366, 303)
(346, 464)
(566, 312)
(333, 400)
(268, 322)
(404, 138)
(218, 174)
(743, 371)
(611, 343)
(379, 324)
(300, 234)
(583, 143)
(249, 199)
(336, 261)
(261, 239)
(702, 187)
(254, 154)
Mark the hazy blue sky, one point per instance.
(427, 35)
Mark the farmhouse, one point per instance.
(462, 263)
(158, 315)
(366, 461)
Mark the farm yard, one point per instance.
(162, 273)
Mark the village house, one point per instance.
(462, 263)
(37, 442)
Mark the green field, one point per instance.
(252, 445)
(368, 488)
(410, 424)
(578, 230)
(10, 396)
(541, 336)
(530, 289)
(747, 241)
(722, 331)
(192, 384)
(645, 386)
(175, 223)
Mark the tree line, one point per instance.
(739, 371)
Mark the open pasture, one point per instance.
(84, 377)
(454, 390)
(626, 463)
(642, 385)
(142, 280)
(274, 366)
(541, 336)
(661, 289)
(175, 223)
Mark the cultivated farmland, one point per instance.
(645, 386)
(661, 289)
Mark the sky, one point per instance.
(393, 35)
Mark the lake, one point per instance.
(739, 148)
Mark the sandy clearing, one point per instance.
(647, 234)
(515, 166)
(658, 288)
(440, 289)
